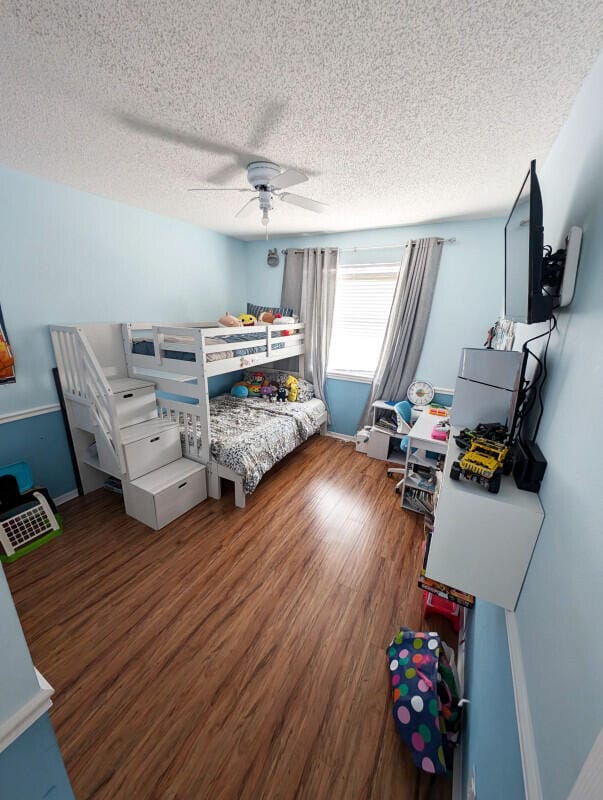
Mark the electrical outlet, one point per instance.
(471, 791)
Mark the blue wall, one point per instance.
(467, 300)
(40, 441)
(68, 256)
(346, 399)
(491, 742)
(32, 768)
(558, 610)
(18, 682)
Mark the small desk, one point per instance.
(420, 433)
(419, 438)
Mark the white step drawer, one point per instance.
(150, 445)
(134, 400)
(162, 496)
(135, 405)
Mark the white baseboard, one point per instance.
(345, 437)
(24, 718)
(529, 757)
(64, 498)
(588, 782)
(14, 416)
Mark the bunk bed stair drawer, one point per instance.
(162, 496)
(135, 405)
(148, 446)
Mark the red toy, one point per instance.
(432, 604)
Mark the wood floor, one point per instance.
(235, 653)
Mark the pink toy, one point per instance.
(441, 431)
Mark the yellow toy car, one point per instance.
(483, 463)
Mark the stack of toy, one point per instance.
(260, 386)
(248, 320)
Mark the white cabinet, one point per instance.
(150, 445)
(482, 542)
(161, 496)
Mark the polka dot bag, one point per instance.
(419, 712)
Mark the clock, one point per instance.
(420, 393)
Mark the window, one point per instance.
(363, 300)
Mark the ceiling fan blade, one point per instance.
(248, 208)
(267, 123)
(303, 202)
(227, 172)
(289, 178)
(175, 136)
(203, 189)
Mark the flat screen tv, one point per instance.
(525, 300)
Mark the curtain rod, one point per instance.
(377, 247)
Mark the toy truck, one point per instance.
(484, 462)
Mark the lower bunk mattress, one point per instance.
(250, 435)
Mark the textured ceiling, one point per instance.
(399, 111)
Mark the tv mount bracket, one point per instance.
(559, 269)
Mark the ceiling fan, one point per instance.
(268, 182)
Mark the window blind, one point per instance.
(363, 300)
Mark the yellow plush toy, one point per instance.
(293, 385)
(247, 319)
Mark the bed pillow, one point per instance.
(306, 389)
(256, 310)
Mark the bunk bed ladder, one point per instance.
(84, 382)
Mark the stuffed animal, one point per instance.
(282, 394)
(267, 317)
(229, 321)
(247, 320)
(292, 384)
(266, 390)
(239, 390)
(256, 383)
(280, 320)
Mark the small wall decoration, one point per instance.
(7, 360)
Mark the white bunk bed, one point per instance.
(179, 359)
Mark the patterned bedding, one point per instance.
(250, 435)
(146, 347)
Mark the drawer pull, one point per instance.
(183, 484)
(155, 439)
(126, 396)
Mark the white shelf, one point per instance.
(483, 542)
(412, 483)
(419, 437)
(91, 458)
(422, 461)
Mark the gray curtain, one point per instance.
(407, 323)
(309, 287)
